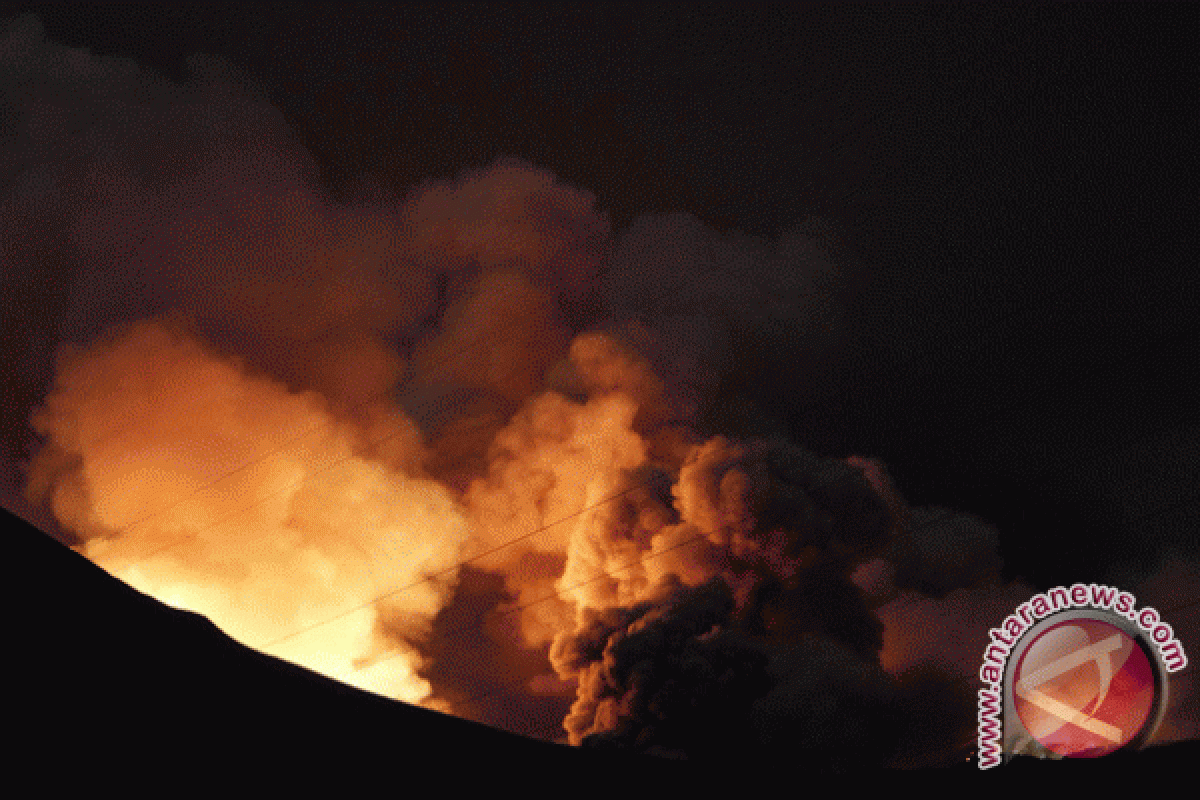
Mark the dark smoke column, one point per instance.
(776, 650)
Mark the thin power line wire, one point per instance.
(449, 570)
(842, 475)
(605, 573)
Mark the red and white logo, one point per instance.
(1084, 688)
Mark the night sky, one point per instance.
(1011, 189)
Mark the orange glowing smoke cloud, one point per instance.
(227, 435)
(224, 493)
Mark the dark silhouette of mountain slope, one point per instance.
(107, 674)
(107, 686)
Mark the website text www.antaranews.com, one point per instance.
(1003, 639)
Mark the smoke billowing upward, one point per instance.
(301, 417)
(764, 637)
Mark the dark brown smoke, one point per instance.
(705, 669)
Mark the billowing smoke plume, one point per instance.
(435, 443)
(147, 433)
(761, 636)
(687, 666)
